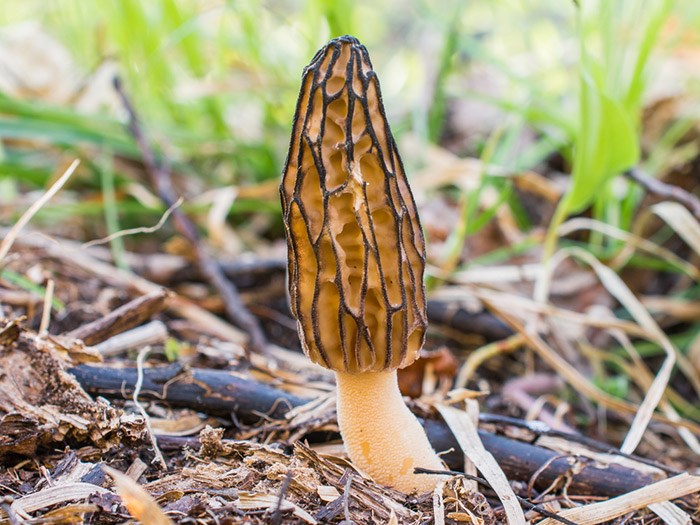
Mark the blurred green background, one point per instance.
(215, 82)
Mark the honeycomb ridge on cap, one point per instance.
(356, 253)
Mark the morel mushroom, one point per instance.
(356, 257)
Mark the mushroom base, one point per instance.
(381, 435)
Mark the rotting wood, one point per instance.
(41, 404)
(53, 495)
(123, 318)
(222, 393)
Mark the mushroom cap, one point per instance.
(356, 253)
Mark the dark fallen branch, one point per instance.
(123, 318)
(520, 461)
(210, 269)
(210, 391)
(539, 428)
(482, 323)
(245, 273)
(221, 393)
(667, 191)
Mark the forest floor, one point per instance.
(151, 370)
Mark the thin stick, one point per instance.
(210, 268)
(9, 240)
(125, 317)
(5, 505)
(668, 191)
(276, 517)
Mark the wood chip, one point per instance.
(327, 493)
(670, 513)
(257, 500)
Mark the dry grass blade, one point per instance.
(137, 501)
(572, 376)
(46, 314)
(134, 231)
(468, 439)
(641, 375)
(614, 284)
(10, 238)
(631, 241)
(622, 293)
(682, 221)
(439, 504)
(522, 305)
(686, 310)
(666, 490)
(140, 360)
(492, 274)
(483, 354)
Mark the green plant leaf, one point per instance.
(606, 144)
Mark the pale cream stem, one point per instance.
(381, 435)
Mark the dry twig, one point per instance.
(123, 318)
(667, 191)
(162, 182)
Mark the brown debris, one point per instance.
(41, 403)
(242, 479)
(127, 316)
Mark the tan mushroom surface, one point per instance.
(356, 258)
